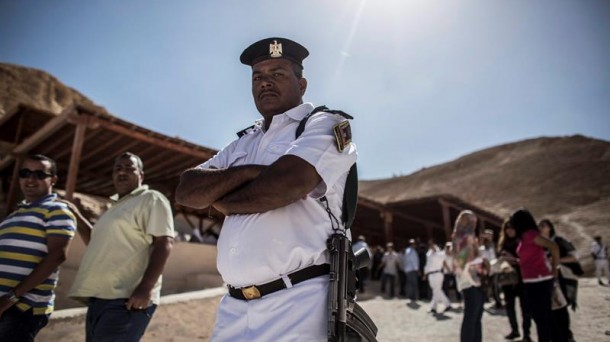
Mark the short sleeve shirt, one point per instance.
(120, 246)
(23, 246)
(256, 248)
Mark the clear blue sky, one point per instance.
(427, 81)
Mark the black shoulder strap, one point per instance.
(301, 127)
(350, 193)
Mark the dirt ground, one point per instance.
(189, 317)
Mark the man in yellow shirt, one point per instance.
(120, 274)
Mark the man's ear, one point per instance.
(302, 85)
(53, 180)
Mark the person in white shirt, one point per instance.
(433, 271)
(599, 252)
(389, 264)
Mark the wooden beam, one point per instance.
(151, 140)
(162, 160)
(48, 149)
(109, 156)
(8, 115)
(32, 141)
(101, 147)
(188, 220)
(416, 219)
(77, 148)
(370, 204)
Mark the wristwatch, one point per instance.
(10, 295)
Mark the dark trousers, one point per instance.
(412, 285)
(539, 304)
(472, 331)
(18, 326)
(560, 328)
(385, 278)
(402, 281)
(363, 274)
(449, 284)
(511, 292)
(108, 320)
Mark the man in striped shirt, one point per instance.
(34, 241)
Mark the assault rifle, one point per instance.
(347, 321)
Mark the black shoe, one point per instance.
(513, 335)
(526, 339)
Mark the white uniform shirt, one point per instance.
(256, 248)
(434, 260)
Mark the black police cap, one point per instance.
(271, 48)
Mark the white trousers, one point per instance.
(438, 296)
(601, 265)
(294, 314)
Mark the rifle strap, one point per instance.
(350, 193)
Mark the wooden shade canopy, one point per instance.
(84, 143)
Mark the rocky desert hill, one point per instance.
(36, 89)
(566, 179)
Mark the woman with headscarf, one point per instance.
(469, 269)
(538, 276)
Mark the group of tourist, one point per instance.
(530, 262)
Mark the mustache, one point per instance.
(267, 92)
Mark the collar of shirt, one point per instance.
(297, 113)
(49, 197)
(115, 198)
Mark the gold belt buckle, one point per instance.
(251, 292)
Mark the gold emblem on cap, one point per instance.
(275, 49)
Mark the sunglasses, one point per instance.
(38, 174)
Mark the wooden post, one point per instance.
(446, 220)
(430, 232)
(77, 148)
(387, 222)
(14, 187)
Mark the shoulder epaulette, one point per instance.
(245, 131)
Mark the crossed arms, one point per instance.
(248, 189)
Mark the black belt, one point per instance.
(437, 271)
(258, 291)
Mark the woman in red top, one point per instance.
(537, 274)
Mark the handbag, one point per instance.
(558, 300)
(507, 278)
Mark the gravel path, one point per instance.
(186, 318)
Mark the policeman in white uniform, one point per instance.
(435, 259)
(282, 197)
